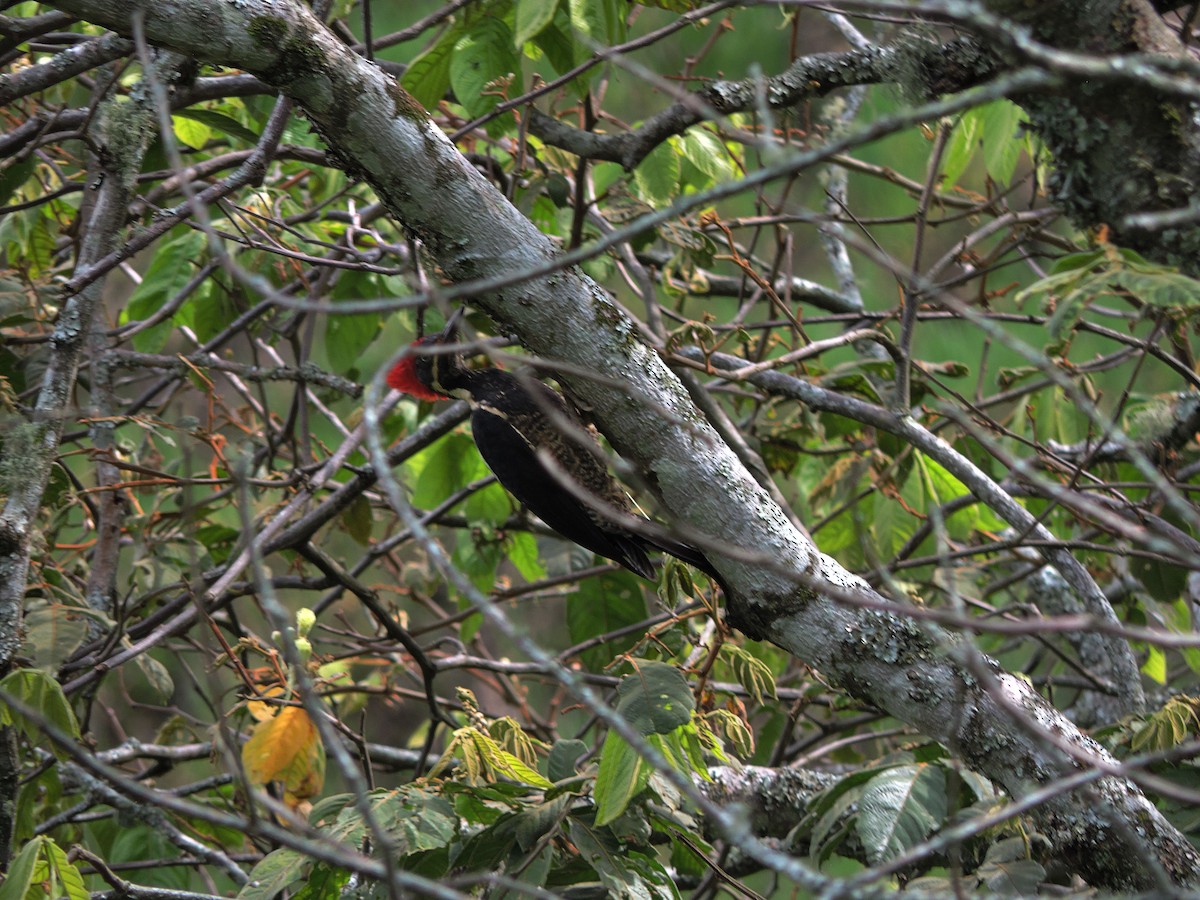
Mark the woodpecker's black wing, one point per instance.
(510, 427)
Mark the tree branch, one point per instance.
(942, 67)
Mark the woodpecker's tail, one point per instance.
(686, 552)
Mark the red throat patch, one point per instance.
(403, 377)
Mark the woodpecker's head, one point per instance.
(422, 373)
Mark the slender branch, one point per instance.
(961, 63)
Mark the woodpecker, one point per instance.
(516, 420)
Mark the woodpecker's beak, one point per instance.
(450, 332)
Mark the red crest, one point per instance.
(406, 378)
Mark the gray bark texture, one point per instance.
(1123, 128)
(784, 591)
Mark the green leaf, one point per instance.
(1160, 286)
(442, 469)
(347, 337)
(273, 873)
(208, 311)
(20, 871)
(621, 777)
(892, 524)
(1181, 622)
(994, 128)
(960, 148)
(657, 176)
(35, 251)
(218, 121)
(417, 820)
(523, 554)
(14, 176)
(750, 672)
(563, 756)
(602, 605)
(1167, 728)
(359, 520)
(899, 808)
(538, 819)
(597, 23)
(732, 729)
(655, 699)
(139, 843)
(39, 691)
(1002, 144)
(941, 485)
(64, 876)
(1155, 665)
(325, 883)
(622, 872)
(707, 153)
(53, 631)
(482, 56)
(1081, 278)
(532, 18)
(504, 762)
(191, 131)
(490, 506)
(427, 77)
(477, 560)
(654, 877)
(675, 6)
(562, 51)
(1084, 261)
(158, 678)
(170, 271)
(1008, 871)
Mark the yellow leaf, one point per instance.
(260, 709)
(288, 749)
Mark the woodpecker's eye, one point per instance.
(406, 377)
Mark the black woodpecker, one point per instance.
(513, 420)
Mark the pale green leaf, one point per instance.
(1002, 140)
(899, 808)
(1155, 666)
(172, 268)
(44, 696)
(19, 878)
(750, 672)
(523, 554)
(993, 128)
(217, 121)
(707, 153)
(656, 178)
(621, 777)
(273, 873)
(532, 18)
(960, 148)
(191, 132)
(65, 873)
(482, 56)
(53, 631)
(427, 77)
